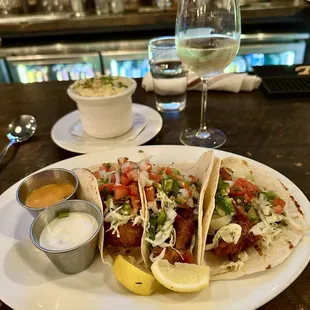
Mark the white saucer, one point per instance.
(63, 138)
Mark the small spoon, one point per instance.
(20, 130)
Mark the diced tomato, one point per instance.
(144, 165)
(243, 187)
(108, 186)
(122, 160)
(126, 168)
(120, 191)
(156, 177)
(279, 205)
(133, 175)
(124, 180)
(97, 174)
(149, 167)
(193, 178)
(133, 189)
(188, 257)
(247, 198)
(237, 189)
(169, 171)
(136, 204)
(150, 193)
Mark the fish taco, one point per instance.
(114, 187)
(250, 221)
(173, 197)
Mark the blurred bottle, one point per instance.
(163, 4)
(102, 7)
(117, 6)
(52, 6)
(78, 7)
(10, 7)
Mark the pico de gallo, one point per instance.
(244, 216)
(172, 201)
(119, 190)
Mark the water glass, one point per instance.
(169, 75)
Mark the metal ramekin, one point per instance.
(76, 259)
(42, 178)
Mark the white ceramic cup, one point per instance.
(106, 117)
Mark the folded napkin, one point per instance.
(230, 82)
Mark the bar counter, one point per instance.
(275, 132)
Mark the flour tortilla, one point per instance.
(88, 190)
(282, 245)
(209, 204)
(109, 253)
(201, 169)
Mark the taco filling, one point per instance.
(119, 191)
(172, 203)
(245, 215)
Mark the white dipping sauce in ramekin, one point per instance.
(68, 232)
(105, 105)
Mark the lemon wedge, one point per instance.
(181, 277)
(134, 277)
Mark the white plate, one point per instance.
(29, 281)
(63, 138)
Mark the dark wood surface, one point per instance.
(274, 132)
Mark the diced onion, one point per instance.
(187, 178)
(184, 192)
(143, 166)
(144, 180)
(102, 173)
(125, 165)
(171, 214)
(153, 206)
(117, 177)
(230, 183)
(190, 202)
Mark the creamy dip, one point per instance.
(101, 86)
(64, 233)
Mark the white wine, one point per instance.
(207, 56)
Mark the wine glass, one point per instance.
(207, 40)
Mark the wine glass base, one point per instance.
(214, 138)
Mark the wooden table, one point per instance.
(274, 132)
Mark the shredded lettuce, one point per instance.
(234, 266)
(229, 233)
(269, 227)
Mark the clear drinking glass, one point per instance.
(207, 39)
(169, 75)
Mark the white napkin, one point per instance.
(139, 123)
(230, 82)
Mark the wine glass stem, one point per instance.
(203, 129)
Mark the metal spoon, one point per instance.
(20, 130)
